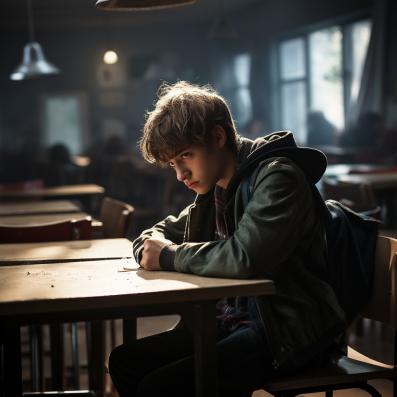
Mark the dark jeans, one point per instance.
(163, 364)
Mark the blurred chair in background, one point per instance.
(116, 218)
(18, 186)
(358, 197)
(60, 231)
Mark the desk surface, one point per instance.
(65, 251)
(38, 207)
(79, 286)
(58, 191)
(344, 169)
(377, 181)
(41, 220)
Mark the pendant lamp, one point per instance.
(221, 28)
(34, 62)
(141, 5)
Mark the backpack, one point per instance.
(351, 242)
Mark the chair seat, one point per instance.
(340, 369)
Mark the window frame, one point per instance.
(275, 66)
(83, 97)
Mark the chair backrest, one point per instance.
(59, 231)
(27, 185)
(382, 305)
(359, 194)
(116, 217)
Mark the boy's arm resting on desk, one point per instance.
(171, 228)
(267, 233)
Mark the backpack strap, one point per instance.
(248, 185)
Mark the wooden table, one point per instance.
(48, 219)
(40, 220)
(65, 251)
(378, 181)
(100, 290)
(38, 207)
(81, 192)
(335, 170)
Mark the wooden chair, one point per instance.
(359, 197)
(355, 369)
(59, 231)
(17, 186)
(116, 217)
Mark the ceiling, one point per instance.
(61, 14)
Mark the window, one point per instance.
(234, 84)
(64, 121)
(320, 70)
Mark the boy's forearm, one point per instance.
(171, 228)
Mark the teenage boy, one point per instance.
(191, 130)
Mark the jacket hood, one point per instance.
(313, 162)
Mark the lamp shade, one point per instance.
(222, 29)
(141, 5)
(33, 64)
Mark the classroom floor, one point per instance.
(376, 343)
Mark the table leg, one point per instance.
(202, 324)
(12, 356)
(58, 376)
(129, 329)
(98, 358)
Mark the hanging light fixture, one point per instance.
(34, 62)
(221, 28)
(141, 5)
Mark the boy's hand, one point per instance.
(151, 253)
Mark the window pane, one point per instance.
(326, 88)
(242, 69)
(294, 109)
(243, 107)
(361, 33)
(63, 122)
(292, 59)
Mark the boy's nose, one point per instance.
(182, 174)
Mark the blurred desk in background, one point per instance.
(378, 181)
(38, 207)
(335, 170)
(65, 251)
(81, 192)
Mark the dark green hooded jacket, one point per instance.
(303, 316)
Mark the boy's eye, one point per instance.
(172, 165)
(185, 155)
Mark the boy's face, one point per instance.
(200, 168)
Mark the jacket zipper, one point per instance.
(274, 364)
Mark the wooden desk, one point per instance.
(38, 207)
(48, 219)
(100, 290)
(65, 251)
(334, 170)
(378, 181)
(81, 192)
(58, 191)
(41, 220)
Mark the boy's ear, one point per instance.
(219, 136)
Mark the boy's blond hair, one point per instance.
(185, 115)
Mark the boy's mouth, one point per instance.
(192, 185)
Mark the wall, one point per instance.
(186, 49)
